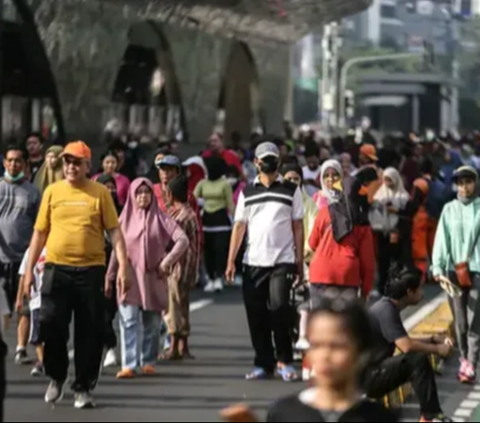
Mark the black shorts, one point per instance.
(9, 280)
(35, 339)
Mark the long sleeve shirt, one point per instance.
(458, 227)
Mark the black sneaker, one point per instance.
(38, 370)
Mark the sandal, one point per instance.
(126, 374)
(288, 374)
(149, 371)
(258, 374)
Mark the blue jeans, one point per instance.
(133, 332)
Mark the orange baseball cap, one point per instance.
(370, 151)
(78, 149)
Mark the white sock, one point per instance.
(303, 324)
(20, 349)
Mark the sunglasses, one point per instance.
(68, 160)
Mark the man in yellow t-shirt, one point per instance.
(73, 216)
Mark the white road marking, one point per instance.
(425, 311)
(469, 404)
(198, 305)
(467, 413)
(474, 396)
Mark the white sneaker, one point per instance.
(302, 345)
(210, 287)
(83, 400)
(218, 285)
(110, 359)
(54, 392)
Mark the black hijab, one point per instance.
(359, 202)
(105, 179)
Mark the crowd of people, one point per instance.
(355, 219)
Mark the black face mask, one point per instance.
(269, 165)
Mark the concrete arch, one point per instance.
(147, 52)
(240, 93)
(39, 61)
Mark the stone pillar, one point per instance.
(85, 43)
(199, 62)
(272, 67)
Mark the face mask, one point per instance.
(269, 165)
(11, 178)
(232, 181)
(133, 145)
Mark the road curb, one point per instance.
(439, 321)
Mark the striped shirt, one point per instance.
(269, 213)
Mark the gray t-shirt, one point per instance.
(19, 203)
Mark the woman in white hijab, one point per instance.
(387, 218)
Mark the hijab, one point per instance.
(359, 195)
(147, 232)
(333, 195)
(292, 167)
(398, 197)
(46, 176)
(105, 179)
(338, 204)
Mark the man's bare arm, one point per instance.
(118, 243)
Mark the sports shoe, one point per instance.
(466, 374)
(38, 370)
(210, 287)
(218, 285)
(54, 392)
(302, 345)
(21, 358)
(110, 359)
(441, 418)
(83, 400)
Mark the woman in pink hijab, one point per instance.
(148, 233)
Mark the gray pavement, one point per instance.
(182, 392)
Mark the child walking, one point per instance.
(34, 304)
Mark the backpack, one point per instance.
(438, 196)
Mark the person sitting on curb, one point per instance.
(387, 371)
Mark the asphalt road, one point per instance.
(183, 392)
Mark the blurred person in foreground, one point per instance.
(341, 340)
(73, 217)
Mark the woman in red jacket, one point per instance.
(344, 260)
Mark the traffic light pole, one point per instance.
(342, 121)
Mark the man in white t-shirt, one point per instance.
(34, 306)
(311, 172)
